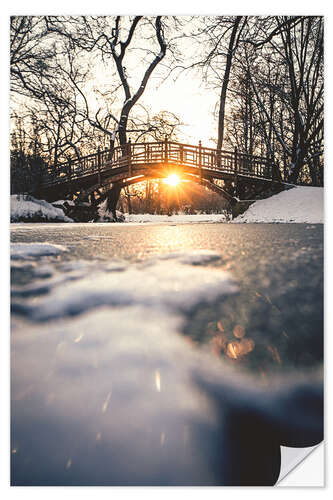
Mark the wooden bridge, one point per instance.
(232, 174)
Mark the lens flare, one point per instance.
(172, 180)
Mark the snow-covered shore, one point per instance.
(302, 204)
(180, 218)
(25, 208)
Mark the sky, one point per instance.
(183, 93)
(194, 105)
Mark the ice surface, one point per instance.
(24, 207)
(195, 257)
(301, 204)
(116, 395)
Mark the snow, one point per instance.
(104, 215)
(25, 208)
(27, 250)
(301, 204)
(61, 202)
(175, 286)
(179, 218)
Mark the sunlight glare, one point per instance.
(172, 180)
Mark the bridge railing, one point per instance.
(159, 152)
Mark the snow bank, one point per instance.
(25, 208)
(180, 218)
(301, 204)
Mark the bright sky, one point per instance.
(187, 96)
(191, 102)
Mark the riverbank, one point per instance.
(302, 204)
(25, 208)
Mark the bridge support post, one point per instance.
(129, 156)
(99, 165)
(166, 149)
(200, 160)
(236, 171)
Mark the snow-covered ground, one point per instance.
(25, 208)
(301, 204)
(106, 216)
(180, 218)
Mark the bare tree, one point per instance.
(298, 58)
(112, 39)
(32, 55)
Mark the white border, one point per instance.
(255, 7)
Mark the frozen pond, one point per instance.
(138, 350)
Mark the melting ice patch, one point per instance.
(166, 283)
(28, 250)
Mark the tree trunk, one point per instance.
(226, 82)
(112, 199)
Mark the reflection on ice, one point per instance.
(106, 402)
(158, 381)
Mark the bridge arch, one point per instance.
(133, 163)
(184, 176)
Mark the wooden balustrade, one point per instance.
(160, 153)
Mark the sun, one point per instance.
(172, 180)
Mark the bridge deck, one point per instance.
(156, 154)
